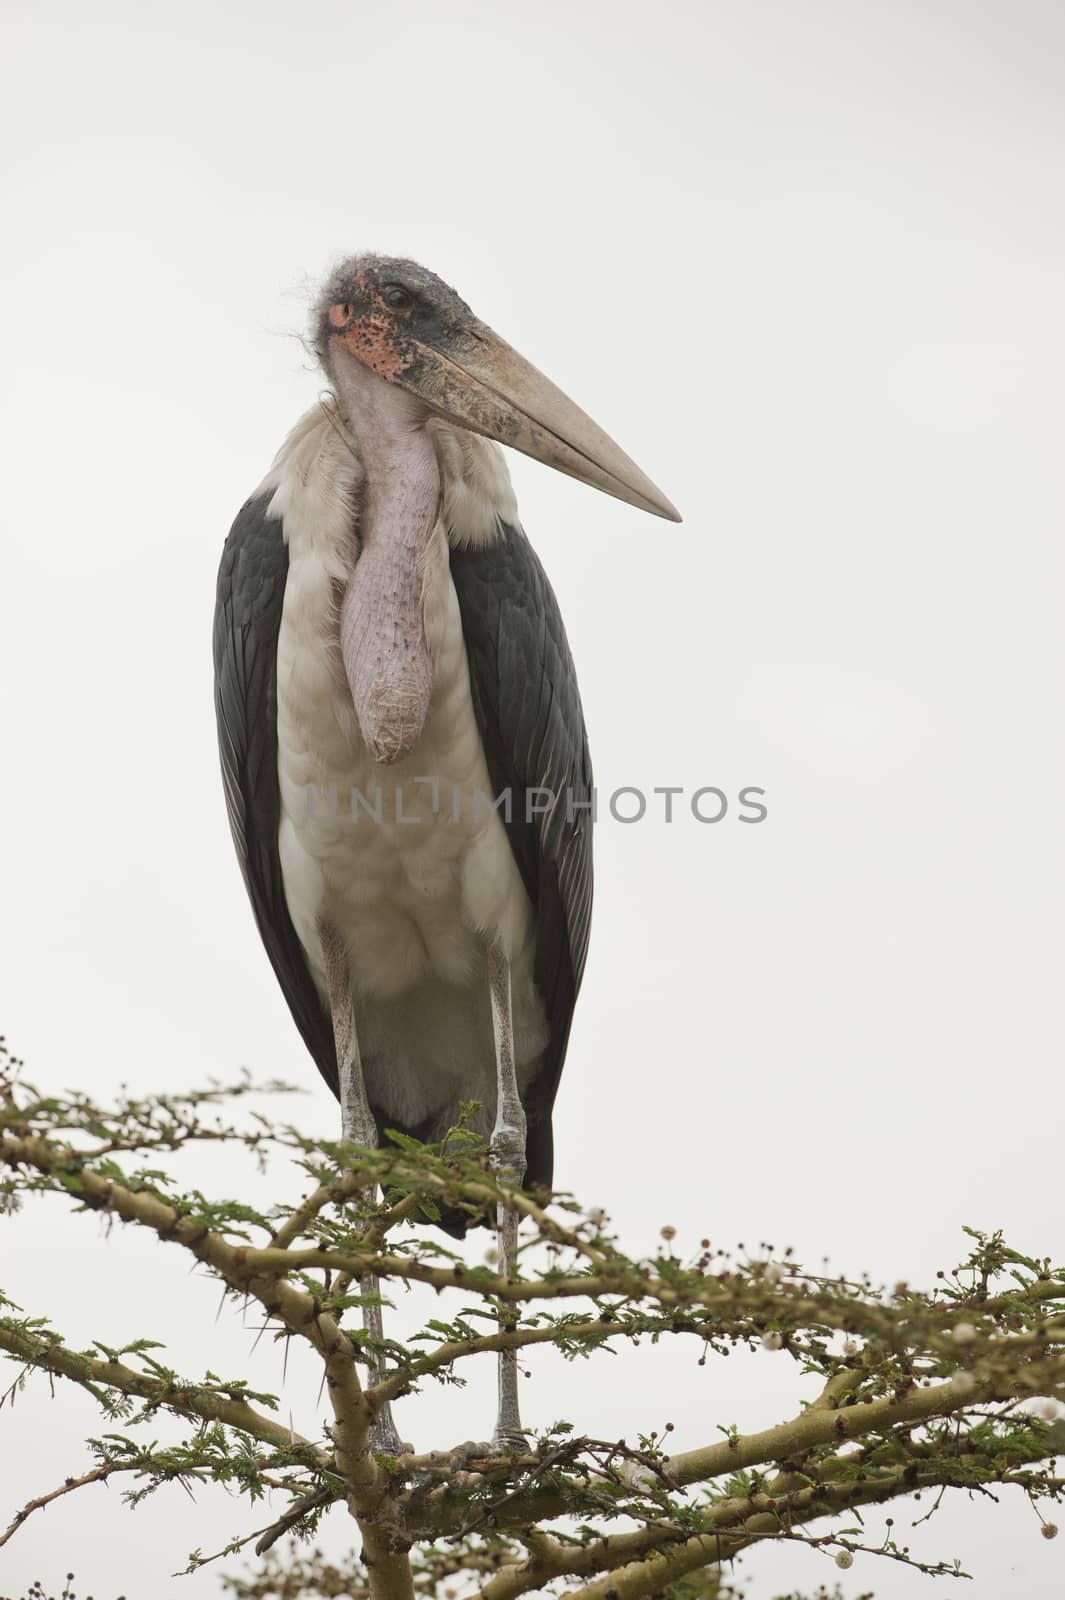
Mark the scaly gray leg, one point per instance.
(357, 1127)
(507, 1150)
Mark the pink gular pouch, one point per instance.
(382, 624)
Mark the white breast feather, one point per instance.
(417, 901)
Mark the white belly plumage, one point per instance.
(418, 894)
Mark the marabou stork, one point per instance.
(385, 633)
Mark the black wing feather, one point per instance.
(528, 711)
(247, 621)
(529, 715)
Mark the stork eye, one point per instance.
(396, 298)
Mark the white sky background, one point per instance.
(806, 264)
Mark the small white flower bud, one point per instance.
(963, 1333)
(772, 1339)
(850, 1348)
(772, 1273)
(844, 1559)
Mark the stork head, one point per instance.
(410, 328)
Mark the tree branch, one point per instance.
(49, 1354)
(97, 1475)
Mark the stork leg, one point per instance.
(357, 1127)
(507, 1152)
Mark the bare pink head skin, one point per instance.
(400, 346)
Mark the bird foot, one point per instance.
(510, 1442)
(458, 1458)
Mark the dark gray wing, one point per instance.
(529, 714)
(247, 620)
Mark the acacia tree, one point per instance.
(954, 1389)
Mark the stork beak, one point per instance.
(488, 387)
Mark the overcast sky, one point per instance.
(806, 263)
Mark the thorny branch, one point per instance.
(953, 1389)
(98, 1474)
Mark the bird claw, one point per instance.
(459, 1458)
(501, 1444)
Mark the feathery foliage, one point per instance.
(915, 1392)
